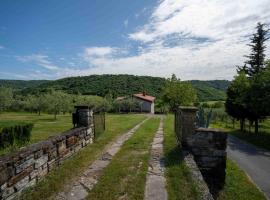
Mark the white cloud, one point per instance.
(41, 60)
(195, 39)
(99, 51)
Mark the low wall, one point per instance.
(30, 164)
(208, 147)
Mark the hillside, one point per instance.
(20, 84)
(120, 85)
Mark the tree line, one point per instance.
(248, 96)
(53, 102)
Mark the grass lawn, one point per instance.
(44, 125)
(261, 140)
(125, 176)
(179, 183)
(56, 180)
(238, 186)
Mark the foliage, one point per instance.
(6, 96)
(249, 92)
(236, 103)
(177, 93)
(203, 118)
(128, 104)
(18, 134)
(256, 58)
(121, 85)
(20, 84)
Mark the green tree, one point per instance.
(236, 105)
(256, 59)
(177, 93)
(259, 95)
(6, 98)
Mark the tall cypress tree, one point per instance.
(256, 58)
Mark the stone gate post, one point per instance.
(186, 126)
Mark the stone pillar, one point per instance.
(84, 116)
(187, 120)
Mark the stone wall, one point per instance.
(208, 147)
(30, 164)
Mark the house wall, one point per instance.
(146, 106)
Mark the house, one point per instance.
(147, 102)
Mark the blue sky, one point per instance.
(194, 39)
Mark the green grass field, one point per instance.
(58, 178)
(261, 140)
(44, 125)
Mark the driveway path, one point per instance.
(79, 189)
(155, 182)
(253, 160)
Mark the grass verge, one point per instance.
(56, 180)
(261, 140)
(238, 185)
(125, 176)
(179, 183)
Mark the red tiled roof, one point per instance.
(145, 97)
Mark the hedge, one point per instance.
(17, 134)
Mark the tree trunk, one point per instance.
(241, 124)
(39, 112)
(233, 121)
(256, 126)
(54, 115)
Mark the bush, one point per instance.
(17, 134)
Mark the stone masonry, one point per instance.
(29, 165)
(208, 147)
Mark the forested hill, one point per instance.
(20, 84)
(120, 85)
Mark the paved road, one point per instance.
(254, 161)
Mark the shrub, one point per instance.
(17, 134)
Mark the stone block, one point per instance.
(52, 164)
(25, 165)
(38, 154)
(4, 175)
(22, 183)
(20, 176)
(41, 161)
(71, 141)
(52, 154)
(8, 191)
(61, 148)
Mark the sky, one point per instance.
(194, 39)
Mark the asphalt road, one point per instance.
(253, 160)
